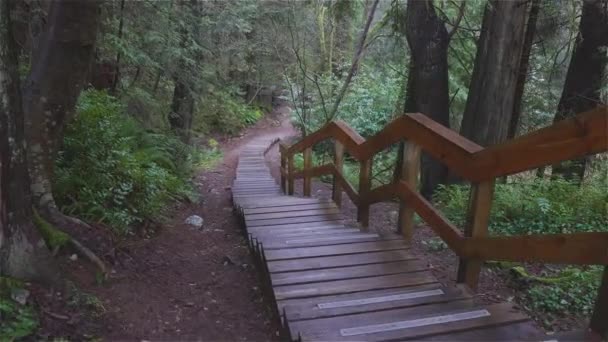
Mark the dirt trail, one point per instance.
(190, 284)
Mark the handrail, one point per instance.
(585, 134)
(582, 135)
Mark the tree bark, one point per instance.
(23, 253)
(582, 88)
(428, 80)
(523, 68)
(182, 104)
(60, 66)
(492, 91)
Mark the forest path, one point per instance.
(187, 283)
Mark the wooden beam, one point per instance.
(478, 216)
(307, 184)
(290, 170)
(409, 175)
(599, 319)
(336, 194)
(365, 172)
(353, 195)
(283, 168)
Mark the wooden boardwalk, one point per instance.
(333, 282)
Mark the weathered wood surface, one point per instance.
(330, 281)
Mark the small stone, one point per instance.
(394, 216)
(244, 266)
(195, 221)
(227, 261)
(205, 308)
(190, 304)
(255, 288)
(73, 257)
(20, 295)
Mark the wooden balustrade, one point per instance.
(569, 139)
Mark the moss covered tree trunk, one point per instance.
(23, 253)
(62, 57)
(585, 75)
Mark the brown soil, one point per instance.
(179, 284)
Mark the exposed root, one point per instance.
(90, 255)
(56, 238)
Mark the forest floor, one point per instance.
(184, 283)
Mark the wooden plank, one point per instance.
(312, 232)
(408, 323)
(290, 169)
(278, 201)
(338, 261)
(350, 272)
(369, 301)
(478, 217)
(322, 240)
(279, 221)
(577, 249)
(409, 175)
(351, 248)
(348, 286)
(284, 214)
(311, 227)
(325, 205)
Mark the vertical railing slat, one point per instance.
(365, 172)
(409, 174)
(339, 164)
(478, 217)
(290, 171)
(307, 166)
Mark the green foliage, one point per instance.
(575, 294)
(223, 112)
(543, 206)
(435, 244)
(210, 157)
(111, 170)
(16, 320)
(535, 206)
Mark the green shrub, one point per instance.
(543, 206)
(111, 170)
(223, 112)
(16, 320)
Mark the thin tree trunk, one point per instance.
(356, 60)
(59, 73)
(523, 68)
(492, 91)
(120, 29)
(428, 40)
(582, 89)
(23, 253)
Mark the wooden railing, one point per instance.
(585, 134)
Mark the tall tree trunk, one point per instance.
(492, 91)
(120, 30)
(428, 79)
(585, 74)
(23, 253)
(342, 12)
(523, 68)
(59, 72)
(182, 105)
(182, 108)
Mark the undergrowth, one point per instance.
(221, 111)
(544, 206)
(113, 171)
(16, 320)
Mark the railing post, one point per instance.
(478, 216)
(290, 171)
(307, 166)
(365, 171)
(409, 174)
(339, 164)
(283, 171)
(599, 318)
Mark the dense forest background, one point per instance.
(112, 105)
